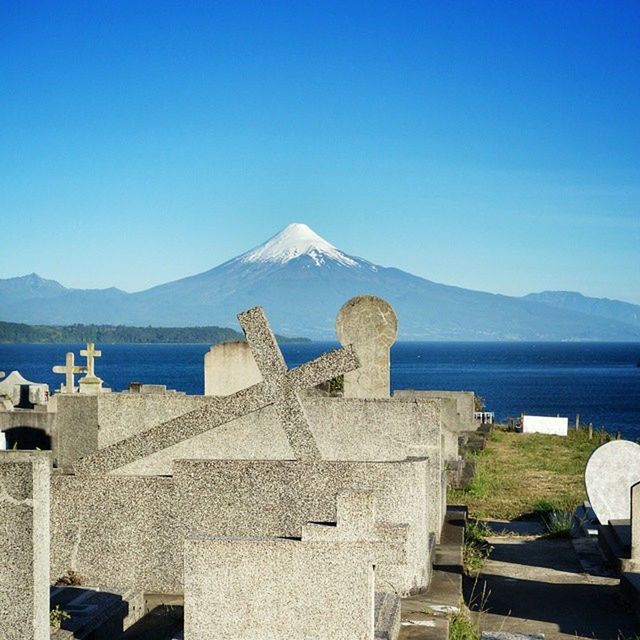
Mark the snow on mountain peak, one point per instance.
(297, 240)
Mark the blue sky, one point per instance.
(490, 145)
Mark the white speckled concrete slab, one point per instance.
(611, 471)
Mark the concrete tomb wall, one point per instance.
(322, 585)
(344, 429)
(127, 532)
(464, 401)
(278, 588)
(24, 545)
(121, 533)
(229, 367)
(228, 498)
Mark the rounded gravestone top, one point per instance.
(611, 471)
(367, 319)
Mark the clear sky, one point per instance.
(490, 145)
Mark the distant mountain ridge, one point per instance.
(302, 280)
(601, 307)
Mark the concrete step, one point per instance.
(621, 529)
(630, 591)
(613, 551)
(425, 616)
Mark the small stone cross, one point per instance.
(90, 353)
(279, 387)
(69, 369)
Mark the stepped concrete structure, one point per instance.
(267, 492)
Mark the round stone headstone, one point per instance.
(611, 471)
(367, 319)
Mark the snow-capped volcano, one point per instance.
(302, 281)
(293, 241)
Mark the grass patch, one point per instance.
(461, 627)
(518, 474)
(476, 548)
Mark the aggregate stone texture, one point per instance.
(24, 545)
(344, 429)
(369, 323)
(268, 589)
(279, 387)
(75, 429)
(356, 522)
(611, 471)
(464, 401)
(245, 499)
(229, 367)
(121, 533)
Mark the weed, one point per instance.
(476, 548)
(558, 523)
(57, 616)
(69, 579)
(461, 627)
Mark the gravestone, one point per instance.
(90, 384)
(279, 388)
(368, 323)
(278, 588)
(611, 471)
(69, 369)
(24, 545)
(229, 367)
(319, 586)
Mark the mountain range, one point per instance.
(302, 281)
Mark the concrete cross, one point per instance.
(69, 369)
(280, 387)
(90, 353)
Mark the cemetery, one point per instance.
(278, 505)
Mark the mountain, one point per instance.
(302, 280)
(601, 307)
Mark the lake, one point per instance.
(600, 381)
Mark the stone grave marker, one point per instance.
(229, 367)
(321, 585)
(368, 323)
(90, 384)
(279, 388)
(69, 370)
(611, 471)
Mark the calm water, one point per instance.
(600, 381)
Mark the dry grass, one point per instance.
(519, 474)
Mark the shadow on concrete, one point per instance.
(90, 613)
(548, 553)
(28, 438)
(539, 586)
(585, 610)
(161, 623)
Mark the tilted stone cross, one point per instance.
(69, 369)
(280, 387)
(90, 353)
